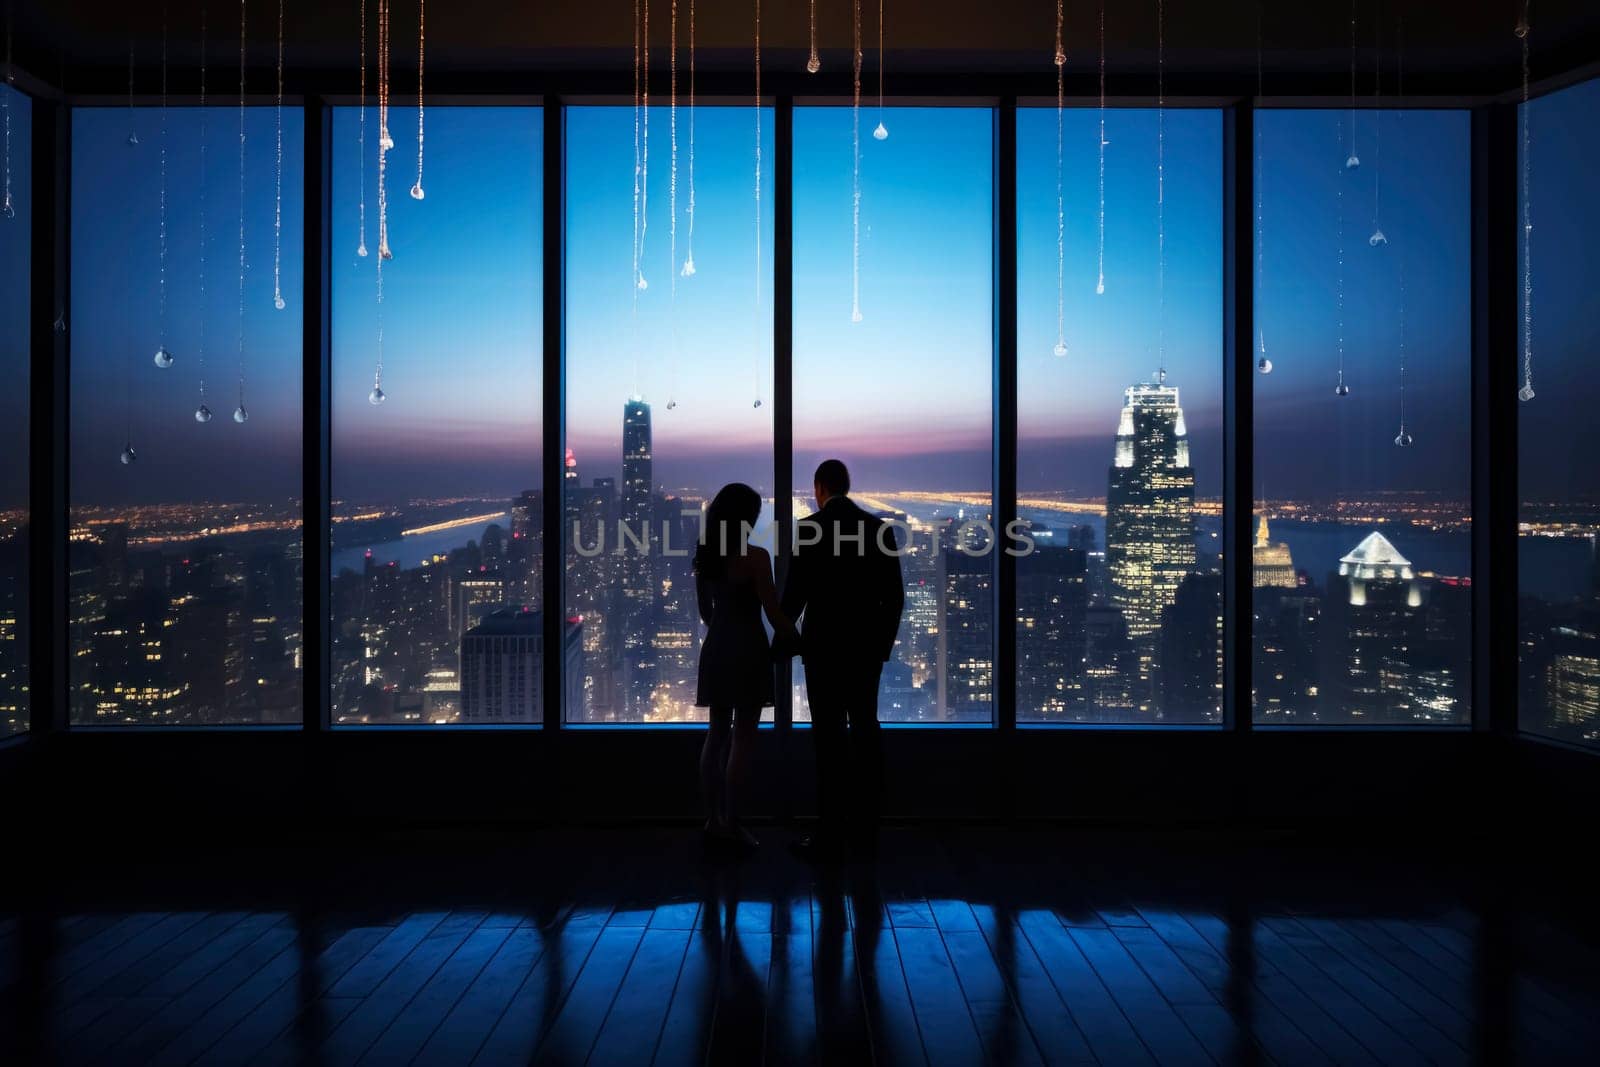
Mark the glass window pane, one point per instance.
(438, 543)
(669, 389)
(903, 396)
(1119, 469)
(185, 553)
(1558, 559)
(1362, 559)
(15, 233)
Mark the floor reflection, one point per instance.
(957, 946)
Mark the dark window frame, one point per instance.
(1494, 497)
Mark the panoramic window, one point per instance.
(185, 552)
(1362, 568)
(893, 365)
(669, 388)
(1119, 417)
(15, 231)
(1558, 557)
(438, 540)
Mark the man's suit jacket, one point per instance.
(846, 583)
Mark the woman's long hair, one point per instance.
(729, 520)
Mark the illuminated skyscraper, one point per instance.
(1273, 567)
(525, 555)
(1287, 675)
(133, 681)
(502, 666)
(1380, 602)
(1149, 507)
(638, 589)
(966, 635)
(637, 472)
(13, 636)
(1052, 634)
(1191, 654)
(476, 596)
(1572, 677)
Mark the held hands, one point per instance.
(786, 643)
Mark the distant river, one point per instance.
(411, 551)
(1549, 567)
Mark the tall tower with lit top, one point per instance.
(1150, 530)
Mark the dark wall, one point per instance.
(168, 780)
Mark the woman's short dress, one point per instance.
(736, 659)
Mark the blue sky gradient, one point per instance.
(462, 311)
(1067, 407)
(904, 395)
(14, 261)
(1309, 442)
(709, 346)
(118, 394)
(1560, 435)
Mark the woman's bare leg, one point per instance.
(741, 750)
(713, 768)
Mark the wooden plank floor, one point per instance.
(958, 946)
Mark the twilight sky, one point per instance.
(709, 347)
(461, 312)
(14, 259)
(904, 395)
(1067, 407)
(118, 394)
(1559, 431)
(1310, 442)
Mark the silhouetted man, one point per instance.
(845, 592)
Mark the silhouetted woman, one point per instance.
(733, 583)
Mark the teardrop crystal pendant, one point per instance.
(855, 316)
(1341, 390)
(1060, 349)
(385, 142)
(133, 137)
(6, 209)
(163, 357)
(240, 414)
(1378, 239)
(1264, 365)
(60, 325)
(1061, 57)
(813, 64)
(128, 456)
(688, 268)
(1100, 288)
(642, 283)
(1525, 394)
(1353, 162)
(377, 396)
(671, 404)
(416, 191)
(202, 414)
(361, 250)
(1522, 28)
(279, 303)
(757, 403)
(383, 250)
(1403, 439)
(881, 133)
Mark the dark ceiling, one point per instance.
(1464, 47)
